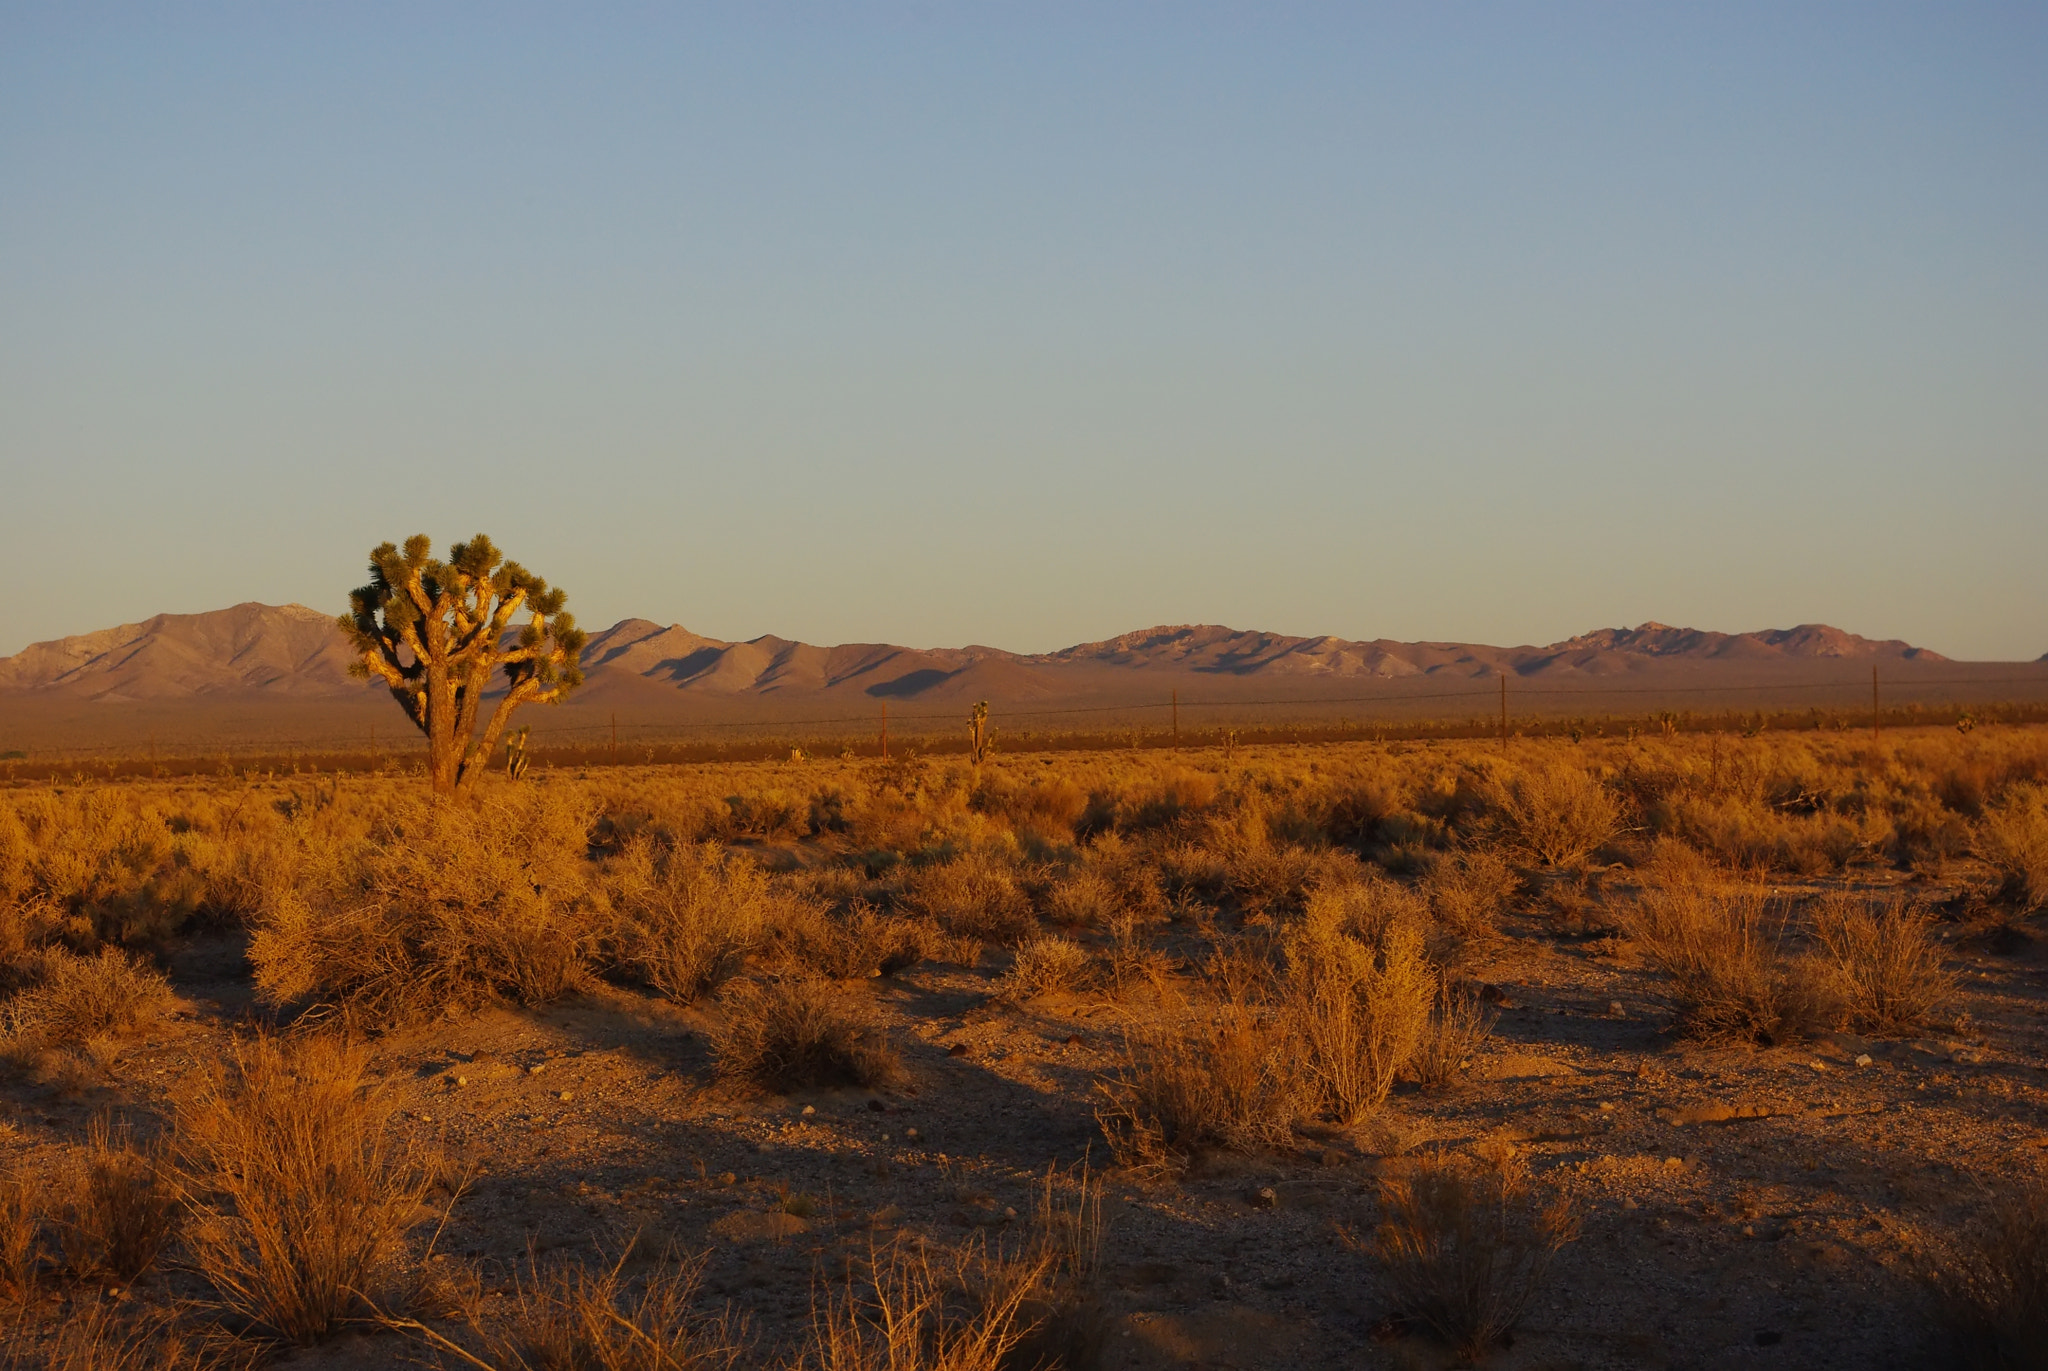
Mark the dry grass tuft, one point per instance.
(1466, 1246)
(1045, 966)
(797, 1032)
(1187, 1086)
(1459, 1023)
(300, 1201)
(903, 1312)
(1724, 952)
(99, 1336)
(1992, 1291)
(21, 1224)
(571, 1318)
(1882, 962)
(124, 1210)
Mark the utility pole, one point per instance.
(885, 730)
(1176, 718)
(1503, 711)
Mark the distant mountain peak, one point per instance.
(296, 651)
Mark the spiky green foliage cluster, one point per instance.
(437, 632)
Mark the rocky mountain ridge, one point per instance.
(293, 651)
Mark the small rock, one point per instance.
(1607, 1106)
(1673, 1163)
(1265, 1197)
(911, 1134)
(566, 1096)
(1863, 1059)
(462, 1080)
(1630, 1204)
(727, 1178)
(1614, 1008)
(809, 1110)
(1009, 1213)
(1818, 1066)
(957, 1050)
(536, 1068)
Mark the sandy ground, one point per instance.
(1742, 1207)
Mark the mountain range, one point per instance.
(291, 651)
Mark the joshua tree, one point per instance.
(436, 633)
(978, 732)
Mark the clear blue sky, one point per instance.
(1029, 324)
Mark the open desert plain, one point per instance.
(1667, 1052)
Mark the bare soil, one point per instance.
(1742, 1206)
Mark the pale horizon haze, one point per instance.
(1028, 325)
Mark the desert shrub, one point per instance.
(1883, 963)
(1158, 799)
(797, 1032)
(435, 907)
(1188, 871)
(1554, 813)
(1724, 952)
(1468, 892)
(123, 1209)
(2013, 840)
(1186, 1086)
(1242, 970)
(975, 895)
(764, 815)
(901, 1311)
(1466, 1246)
(299, 1199)
(687, 916)
(1359, 991)
(1407, 840)
(28, 925)
(1991, 1288)
(71, 999)
(1045, 966)
(1264, 870)
(1929, 836)
(1047, 805)
(1085, 899)
(1459, 1023)
(858, 943)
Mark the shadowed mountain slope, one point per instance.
(290, 651)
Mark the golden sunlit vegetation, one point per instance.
(1278, 957)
